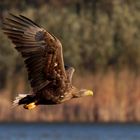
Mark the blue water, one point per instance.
(64, 131)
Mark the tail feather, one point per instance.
(18, 98)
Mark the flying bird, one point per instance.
(50, 79)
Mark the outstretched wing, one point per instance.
(42, 52)
(69, 71)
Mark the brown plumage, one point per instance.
(42, 52)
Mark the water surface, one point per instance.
(66, 131)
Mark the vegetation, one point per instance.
(116, 99)
(100, 38)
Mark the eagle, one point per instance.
(50, 79)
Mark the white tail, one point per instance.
(18, 98)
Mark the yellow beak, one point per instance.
(30, 106)
(89, 93)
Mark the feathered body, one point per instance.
(50, 79)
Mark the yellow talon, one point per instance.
(30, 106)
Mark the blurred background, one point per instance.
(101, 39)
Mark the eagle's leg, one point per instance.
(28, 101)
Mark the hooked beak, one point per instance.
(89, 93)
